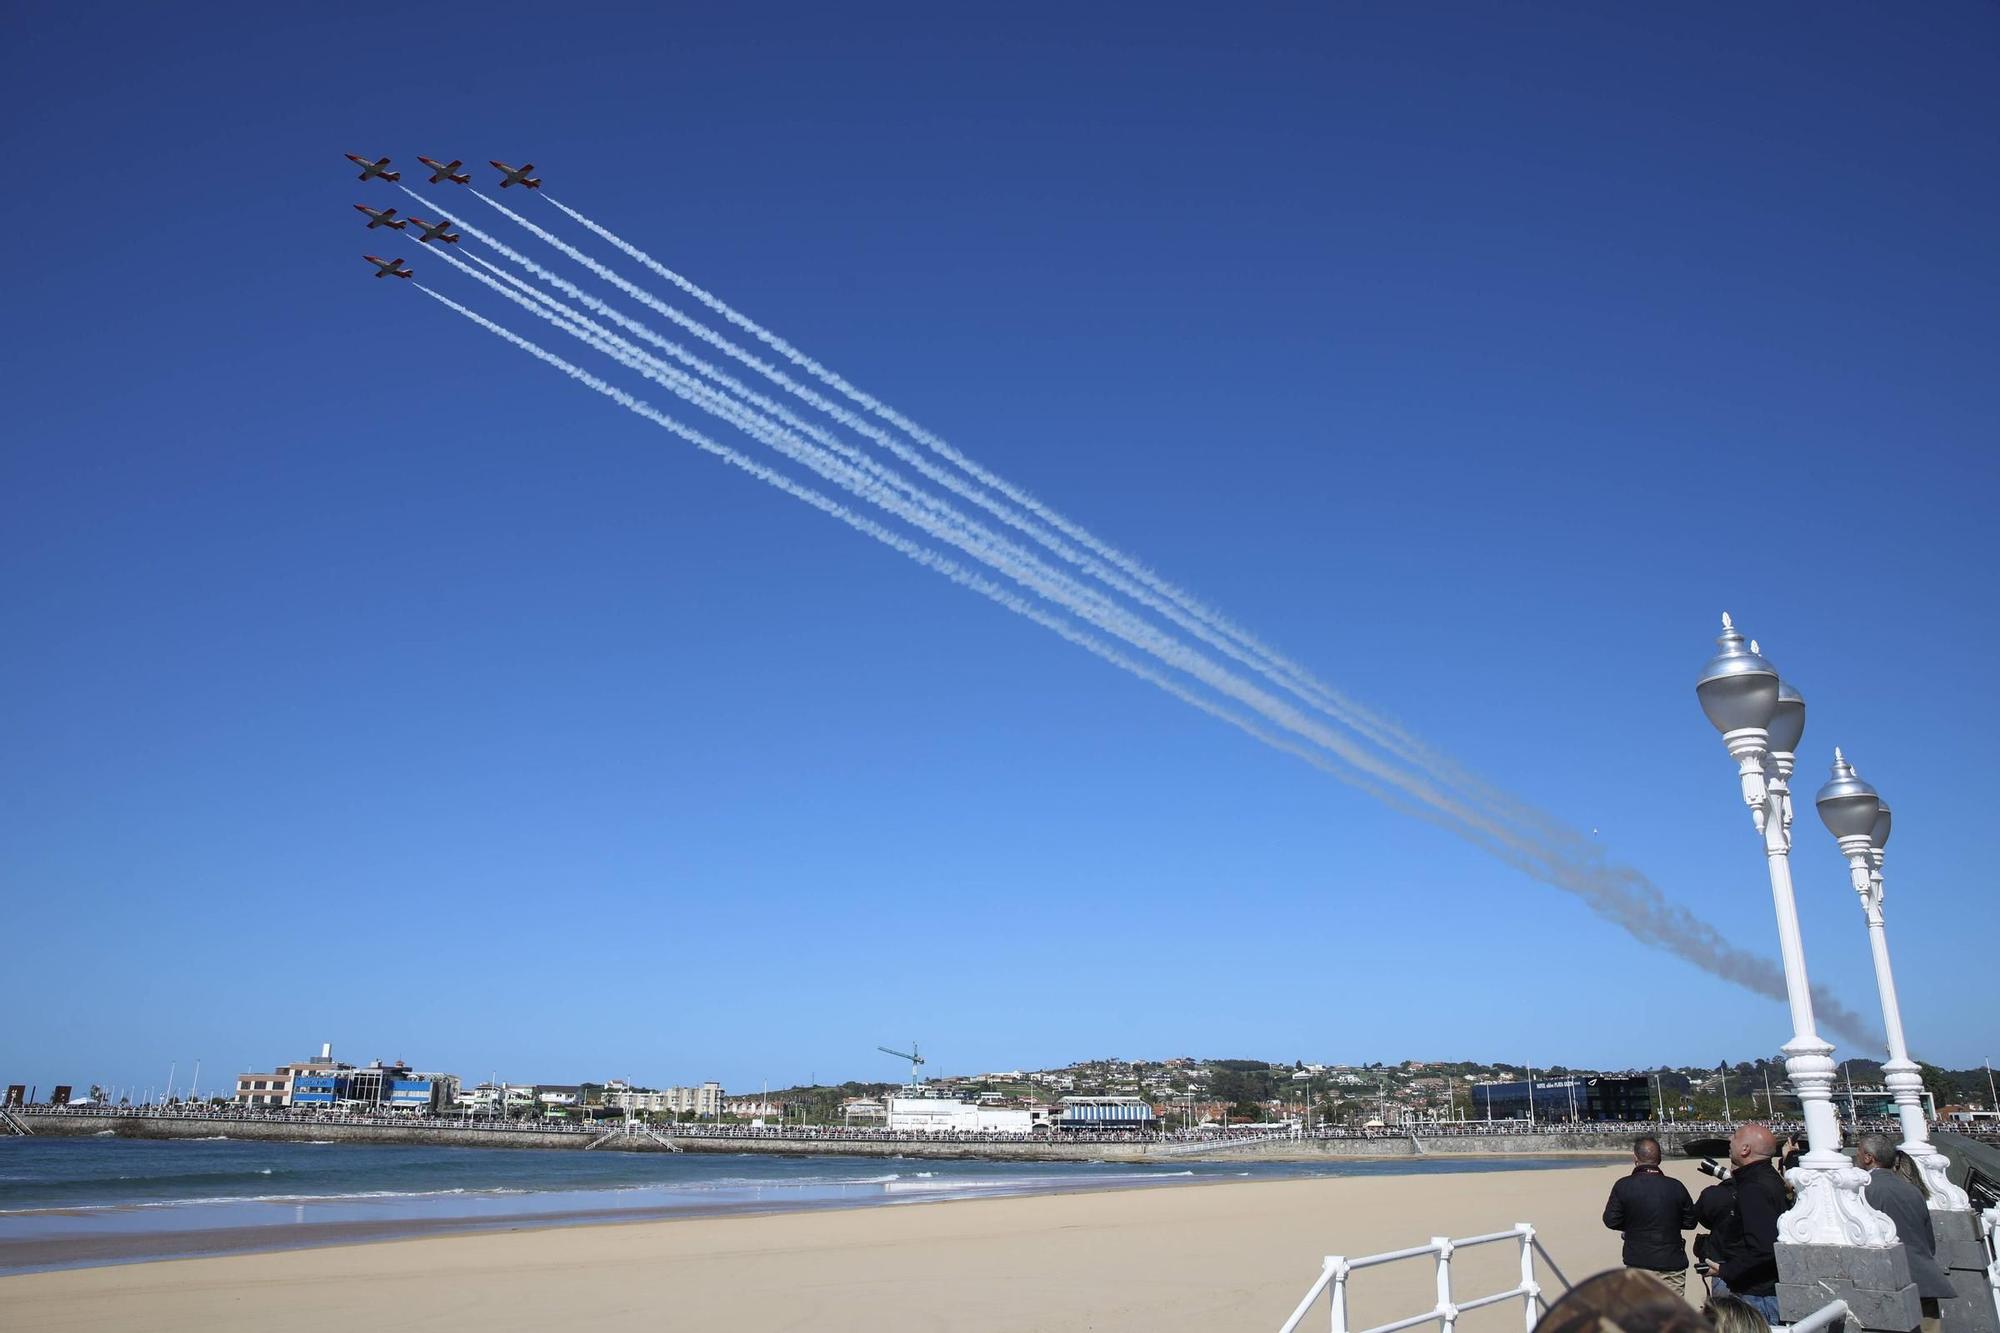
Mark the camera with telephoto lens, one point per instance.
(1709, 1167)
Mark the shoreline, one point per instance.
(76, 1233)
(1166, 1260)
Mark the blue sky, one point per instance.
(370, 683)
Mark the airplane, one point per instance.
(376, 168)
(434, 231)
(388, 268)
(516, 176)
(385, 217)
(446, 171)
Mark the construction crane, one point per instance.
(916, 1060)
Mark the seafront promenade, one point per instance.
(1469, 1139)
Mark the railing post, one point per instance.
(1339, 1294)
(1990, 1221)
(1531, 1291)
(1447, 1312)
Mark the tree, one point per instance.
(1942, 1087)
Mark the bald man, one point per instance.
(1748, 1238)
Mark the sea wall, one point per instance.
(72, 1124)
(59, 1124)
(1618, 1142)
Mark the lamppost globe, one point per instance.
(1881, 830)
(1788, 720)
(1847, 805)
(1738, 689)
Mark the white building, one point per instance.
(705, 1101)
(944, 1115)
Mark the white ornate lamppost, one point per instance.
(1761, 722)
(1856, 816)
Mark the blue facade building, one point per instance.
(1106, 1113)
(412, 1094)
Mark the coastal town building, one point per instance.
(275, 1088)
(704, 1101)
(949, 1115)
(329, 1084)
(1106, 1113)
(863, 1111)
(491, 1098)
(1565, 1098)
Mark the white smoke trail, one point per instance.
(1381, 730)
(1033, 574)
(1203, 622)
(1620, 895)
(914, 551)
(1108, 576)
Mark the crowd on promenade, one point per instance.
(210, 1114)
(474, 1123)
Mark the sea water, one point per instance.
(67, 1202)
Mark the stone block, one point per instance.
(1897, 1311)
(1972, 1310)
(1961, 1254)
(1955, 1226)
(1867, 1269)
(1967, 1314)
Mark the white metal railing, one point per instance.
(1826, 1316)
(1335, 1270)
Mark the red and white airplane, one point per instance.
(384, 217)
(434, 231)
(446, 171)
(379, 167)
(516, 175)
(388, 268)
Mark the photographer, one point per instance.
(1742, 1256)
(1712, 1210)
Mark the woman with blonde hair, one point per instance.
(1729, 1315)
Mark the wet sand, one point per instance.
(1195, 1257)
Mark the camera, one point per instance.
(1709, 1167)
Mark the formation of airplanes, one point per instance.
(428, 232)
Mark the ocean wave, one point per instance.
(348, 1196)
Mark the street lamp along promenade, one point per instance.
(1859, 820)
(1762, 721)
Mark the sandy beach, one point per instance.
(1160, 1260)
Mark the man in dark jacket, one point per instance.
(1652, 1209)
(1747, 1241)
(1889, 1193)
(1712, 1208)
